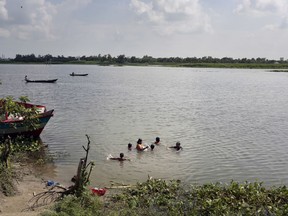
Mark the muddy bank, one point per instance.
(29, 182)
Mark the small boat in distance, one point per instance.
(13, 125)
(41, 81)
(75, 74)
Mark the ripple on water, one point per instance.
(232, 124)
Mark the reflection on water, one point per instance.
(232, 124)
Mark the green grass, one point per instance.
(7, 186)
(23, 151)
(159, 197)
(71, 205)
(281, 70)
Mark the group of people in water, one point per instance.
(141, 147)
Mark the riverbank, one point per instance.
(153, 197)
(27, 184)
(272, 67)
(19, 203)
(26, 187)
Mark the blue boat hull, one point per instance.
(14, 128)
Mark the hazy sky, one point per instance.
(159, 28)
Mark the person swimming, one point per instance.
(129, 146)
(157, 140)
(140, 146)
(177, 146)
(121, 158)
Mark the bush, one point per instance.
(86, 205)
(7, 186)
(23, 150)
(157, 197)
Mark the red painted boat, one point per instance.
(13, 126)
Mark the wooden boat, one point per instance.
(75, 74)
(15, 125)
(41, 81)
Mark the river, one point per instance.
(232, 123)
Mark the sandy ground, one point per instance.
(32, 183)
(21, 203)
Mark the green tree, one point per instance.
(121, 59)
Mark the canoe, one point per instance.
(13, 126)
(75, 74)
(41, 81)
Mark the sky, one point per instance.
(157, 28)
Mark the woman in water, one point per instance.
(140, 146)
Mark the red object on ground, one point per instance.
(98, 191)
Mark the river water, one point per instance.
(232, 123)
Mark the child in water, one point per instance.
(157, 140)
(121, 158)
(177, 146)
(129, 146)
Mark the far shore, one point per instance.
(271, 67)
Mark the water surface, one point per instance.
(231, 123)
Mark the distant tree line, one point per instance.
(122, 59)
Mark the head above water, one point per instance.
(139, 141)
(121, 155)
(129, 145)
(178, 143)
(157, 139)
(152, 146)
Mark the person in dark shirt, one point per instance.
(121, 158)
(129, 146)
(177, 146)
(157, 140)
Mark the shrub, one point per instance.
(7, 186)
(70, 205)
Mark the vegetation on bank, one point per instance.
(283, 70)
(17, 149)
(159, 197)
(7, 186)
(21, 151)
(203, 62)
